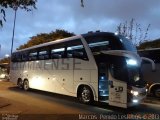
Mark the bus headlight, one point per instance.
(135, 93)
(131, 62)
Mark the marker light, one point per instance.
(135, 101)
(135, 93)
(116, 33)
(102, 77)
(131, 62)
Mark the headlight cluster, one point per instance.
(131, 62)
(135, 93)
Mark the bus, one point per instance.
(96, 66)
(152, 77)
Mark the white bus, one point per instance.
(151, 77)
(97, 66)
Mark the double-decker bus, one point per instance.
(152, 77)
(97, 66)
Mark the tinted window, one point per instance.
(43, 54)
(118, 68)
(75, 49)
(24, 56)
(99, 46)
(104, 42)
(58, 51)
(16, 57)
(98, 43)
(121, 71)
(33, 56)
(13, 57)
(127, 44)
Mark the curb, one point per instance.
(152, 100)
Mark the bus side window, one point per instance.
(57, 53)
(33, 56)
(43, 55)
(75, 52)
(18, 57)
(100, 46)
(24, 56)
(13, 58)
(99, 43)
(75, 49)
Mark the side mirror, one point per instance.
(150, 61)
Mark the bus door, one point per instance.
(117, 82)
(103, 91)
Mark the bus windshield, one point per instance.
(122, 71)
(127, 44)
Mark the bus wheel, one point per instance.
(85, 95)
(20, 83)
(157, 92)
(25, 85)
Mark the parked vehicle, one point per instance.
(152, 77)
(98, 66)
(4, 72)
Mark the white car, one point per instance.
(4, 76)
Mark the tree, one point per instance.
(133, 31)
(15, 4)
(4, 60)
(82, 3)
(46, 37)
(150, 44)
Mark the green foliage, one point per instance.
(23, 4)
(4, 60)
(150, 44)
(46, 37)
(15, 4)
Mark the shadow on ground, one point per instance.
(96, 107)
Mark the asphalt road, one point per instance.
(34, 102)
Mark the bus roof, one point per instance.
(97, 33)
(50, 43)
(67, 39)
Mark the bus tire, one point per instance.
(85, 95)
(156, 92)
(20, 83)
(25, 85)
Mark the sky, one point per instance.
(103, 15)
